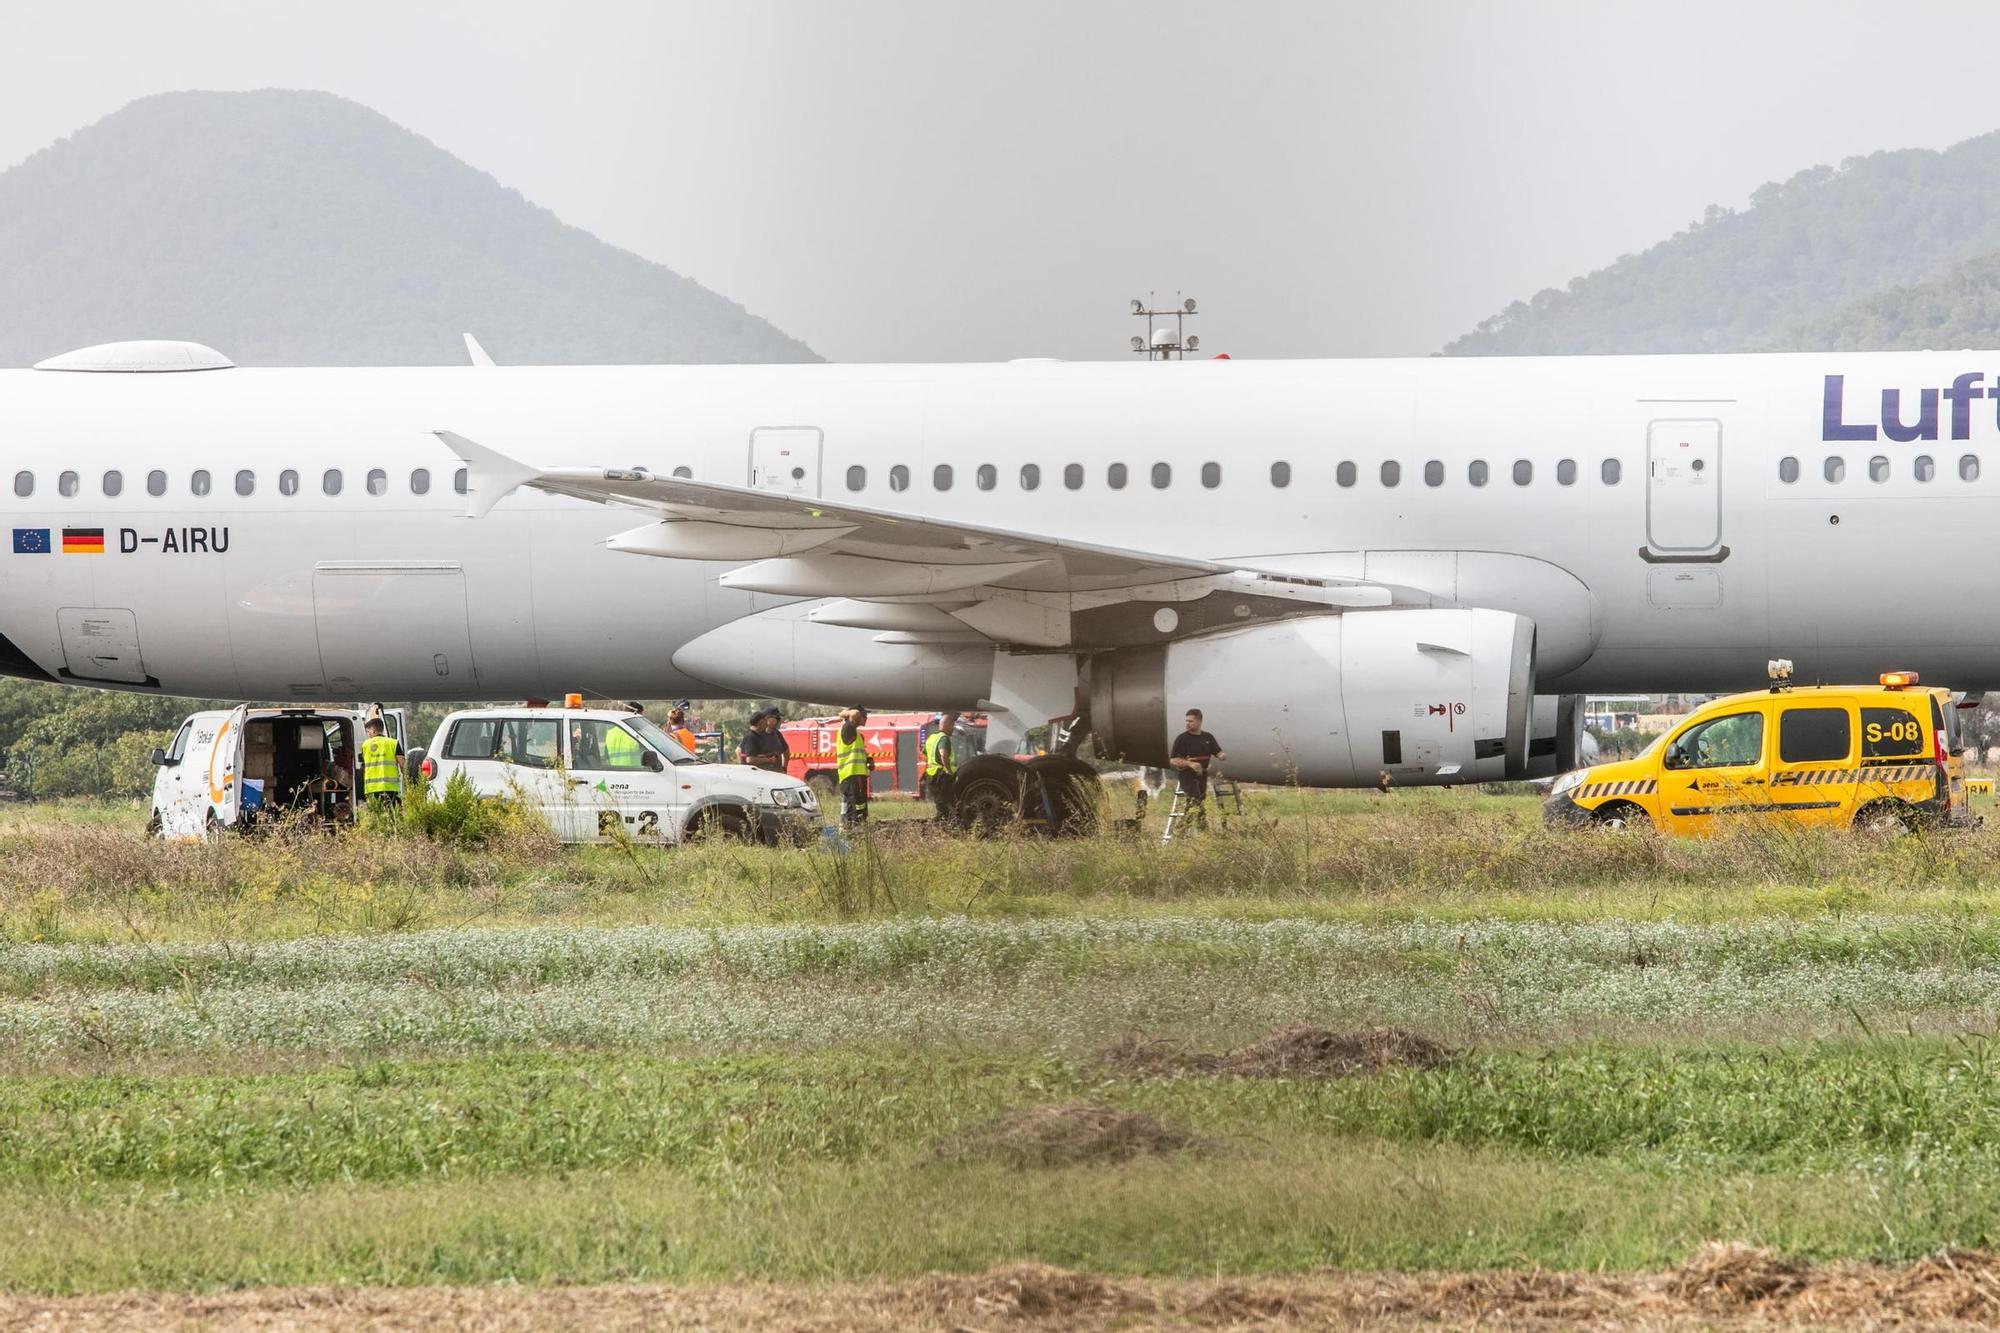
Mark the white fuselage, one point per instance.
(1672, 576)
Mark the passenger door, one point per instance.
(614, 789)
(527, 767)
(222, 778)
(174, 789)
(1813, 779)
(1683, 488)
(1715, 769)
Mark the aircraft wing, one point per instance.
(810, 547)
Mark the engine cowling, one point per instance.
(1555, 736)
(1423, 696)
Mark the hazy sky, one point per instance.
(946, 181)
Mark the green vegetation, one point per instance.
(296, 228)
(383, 1057)
(1892, 250)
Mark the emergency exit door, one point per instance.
(1683, 486)
(785, 458)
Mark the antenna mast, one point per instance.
(1161, 342)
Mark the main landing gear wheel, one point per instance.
(988, 797)
(1052, 794)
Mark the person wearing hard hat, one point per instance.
(851, 765)
(941, 764)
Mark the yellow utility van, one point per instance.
(1880, 756)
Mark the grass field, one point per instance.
(379, 1060)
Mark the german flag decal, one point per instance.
(83, 541)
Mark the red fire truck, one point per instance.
(895, 743)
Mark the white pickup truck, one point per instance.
(596, 786)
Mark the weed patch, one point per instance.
(1072, 1134)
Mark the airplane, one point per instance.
(1365, 571)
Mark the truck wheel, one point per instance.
(720, 823)
(1886, 819)
(988, 796)
(1620, 815)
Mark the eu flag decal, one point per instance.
(83, 541)
(31, 541)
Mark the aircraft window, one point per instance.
(420, 481)
(1073, 476)
(378, 481)
(684, 473)
(1609, 471)
(458, 480)
(1344, 474)
(1566, 472)
(1524, 472)
(1163, 476)
(1788, 469)
(1031, 476)
(987, 477)
(1476, 472)
(1114, 476)
(330, 481)
(1835, 468)
(857, 477)
(288, 482)
(1281, 475)
(1926, 467)
(66, 483)
(1968, 468)
(156, 482)
(1878, 468)
(899, 478)
(1434, 473)
(114, 482)
(198, 481)
(246, 482)
(1211, 475)
(1392, 473)
(24, 483)
(941, 477)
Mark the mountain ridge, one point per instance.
(299, 228)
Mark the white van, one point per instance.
(593, 786)
(229, 768)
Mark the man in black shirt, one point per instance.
(1194, 750)
(764, 746)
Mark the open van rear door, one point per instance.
(223, 771)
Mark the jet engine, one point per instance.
(1415, 696)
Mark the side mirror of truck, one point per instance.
(652, 760)
(159, 757)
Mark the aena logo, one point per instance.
(1890, 422)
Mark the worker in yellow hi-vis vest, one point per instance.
(851, 765)
(381, 768)
(941, 764)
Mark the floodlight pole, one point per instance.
(1176, 350)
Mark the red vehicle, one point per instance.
(895, 743)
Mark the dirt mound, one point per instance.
(1290, 1052)
(1028, 1291)
(1730, 1276)
(1072, 1134)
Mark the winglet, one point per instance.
(490, 476)
(476, 352)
